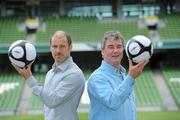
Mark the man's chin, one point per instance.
(116, 60)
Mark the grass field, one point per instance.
(84, 116)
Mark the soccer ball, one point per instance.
(139, 48)
(22, 53)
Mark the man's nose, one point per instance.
(58, 49)
(116, 49)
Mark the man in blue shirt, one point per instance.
(64, 83)
(111, 91)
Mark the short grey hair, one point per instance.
(115, 35)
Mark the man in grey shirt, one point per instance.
(64, 83)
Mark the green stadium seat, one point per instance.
(172, 78)
(146, 91)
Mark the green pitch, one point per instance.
(84, 116)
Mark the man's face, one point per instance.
(113, 51)
(60, 48)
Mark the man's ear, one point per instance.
(102, 52)
(70, 47)
(50, 48)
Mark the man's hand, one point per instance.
(25, 72)
(135, 71)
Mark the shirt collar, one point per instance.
(63, 65)
(111, 68)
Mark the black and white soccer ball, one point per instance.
(22, 53)
(139, 48)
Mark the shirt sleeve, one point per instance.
(99, 88)
(64, 90)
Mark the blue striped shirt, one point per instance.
(111, 94)
(62, 90)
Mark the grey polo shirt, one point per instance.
(62, 90)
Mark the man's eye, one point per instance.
(120, 46)
(110, 47)
(54, 46)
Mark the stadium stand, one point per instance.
(146, 91)
(172, 78)
(10, 91)
(171, 30)
(83, 30)
(9, 30)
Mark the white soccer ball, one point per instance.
(139, 48)
(22, 53)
